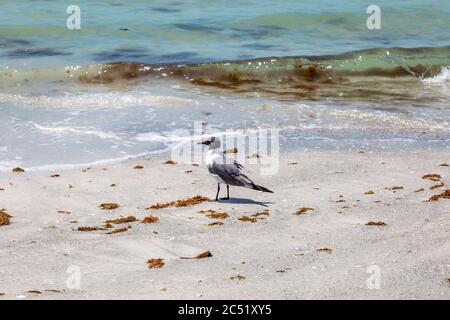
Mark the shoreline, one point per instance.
(323, 253)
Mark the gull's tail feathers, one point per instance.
(260, 188)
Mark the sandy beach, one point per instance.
(362, 211)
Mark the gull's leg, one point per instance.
(228, 193)
(218, 189)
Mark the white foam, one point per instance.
(442, 78)
(76, 131)
(96, 100)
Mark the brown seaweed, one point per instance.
(443, 195)
(432, 177)
(261, 213)
(179, 203)
(303, 210)
(122, 220)
(395, 188)
(217, 223)
(155, 263)
(326, 250)
(89, 229)
(437, 186)
(217, 215)
(247, 219)
(5, 218)
(34, 291)
(120, 230)
(376, 223)
(109, 206)
(203, 255)
(150, 219)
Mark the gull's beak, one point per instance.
(204, 142)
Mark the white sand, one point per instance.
(277, 256)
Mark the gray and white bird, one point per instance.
(227, 171)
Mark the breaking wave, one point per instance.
(394, 74)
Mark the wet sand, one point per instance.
(360, 213)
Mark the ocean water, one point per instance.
(138, 76)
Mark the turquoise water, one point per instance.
(223, 64)
(201, 31)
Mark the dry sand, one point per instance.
(321, 253)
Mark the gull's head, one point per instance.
(212, 143)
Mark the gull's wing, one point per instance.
(230, 172)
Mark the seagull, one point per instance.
(227, 171)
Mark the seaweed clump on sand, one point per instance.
(88, 229)
(437, 186)
(217, 215)
(109, 206)
(180, 203)
(443, 195)
(119, 230)
(247, 219)
(432, 177)
(326, 250)
(395, 188)
(303, 211)
(376, 223)
(206, 254)
(217, 223)
(34, 291)
(155, 263)
(4, 218)
(261, 213)
(150, 219)
(122, 220)
(18, 170)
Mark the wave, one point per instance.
(442, 78)
(377, 75)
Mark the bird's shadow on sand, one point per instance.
(244, 201)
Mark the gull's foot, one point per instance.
(226, 198)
